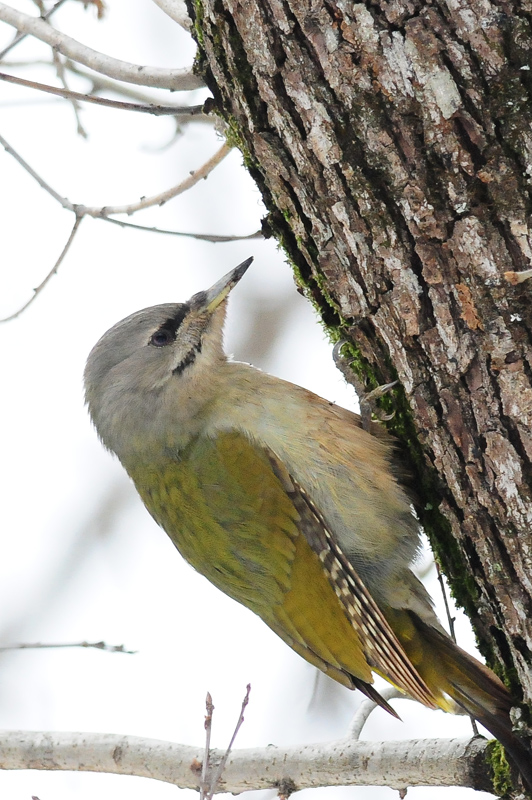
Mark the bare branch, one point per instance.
(99, 83)
(20, 36)
(102, 84)
(42, 183)
(202, 237)
(176, 10)
(40, 287)
(156, 110)
(221, 766)
(450, 618)
(175, 79)
(108, 648)
(60, 69)
(102, 212)
(428, 762)
(452, 630)
(209, 705)
(367, 707)
(163, 197)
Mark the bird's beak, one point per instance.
(208, 301)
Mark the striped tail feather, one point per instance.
(478, 691)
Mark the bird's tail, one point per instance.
(451, 671)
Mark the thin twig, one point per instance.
(162, 198)
(156, 110)
(42, 183)
(40, 287)
(221, 766)
(208, 730)
(452, 631)
(100, 83)
(176, 10)
(60, 69)
(20, 36)
(38, 101)
(174, 79)
(108, 648)
(450, 619)
(203, 237)
(367, 707)
(102, 212)
(29, 62)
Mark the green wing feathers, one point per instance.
(218, 504)
(237, 516)
(229, 515)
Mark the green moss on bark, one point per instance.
(502, 776)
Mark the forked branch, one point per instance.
(174, 79)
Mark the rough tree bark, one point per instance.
(393, 148)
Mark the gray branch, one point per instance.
(176, 10)
(347, 762)
(175, 79)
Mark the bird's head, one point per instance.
(158, 357)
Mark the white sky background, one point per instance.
(81, 558)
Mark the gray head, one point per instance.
(156, 361)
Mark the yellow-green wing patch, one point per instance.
(238, 517)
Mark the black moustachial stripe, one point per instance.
(188, 360)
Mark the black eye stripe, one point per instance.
(170, 327)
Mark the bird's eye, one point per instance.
(162, 337)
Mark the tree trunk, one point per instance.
(393, 148)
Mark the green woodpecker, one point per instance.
(285, 503)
